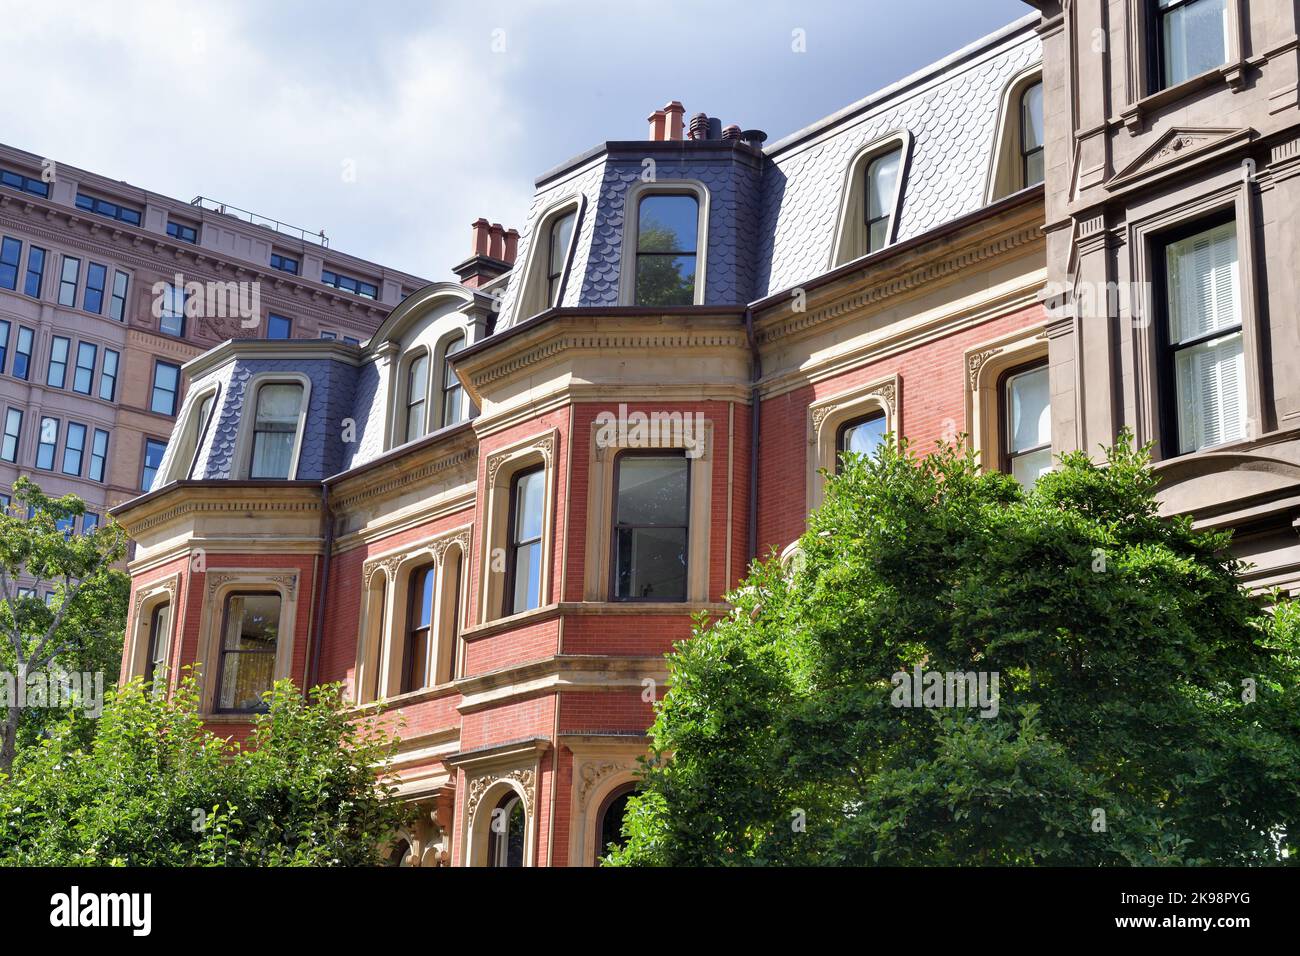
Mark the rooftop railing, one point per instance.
(253, 218)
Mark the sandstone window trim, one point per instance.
(488, 778)
(501, 467)
(220, 584)
(851, 239)
(147, 600)
(1006, 175)
(828, 414)
(386, 598)
(602, 461)
(600, 769)
(986, 367)
(635, 194)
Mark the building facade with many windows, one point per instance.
(107, 290)
(498, 515)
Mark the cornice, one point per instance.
(395, 478)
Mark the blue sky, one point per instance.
(392, 125)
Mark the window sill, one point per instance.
(510, 622)
(643, 608)
(1134, 116)
(410, 697)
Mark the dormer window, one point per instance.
(872, 192)
(452, 393)
(882, 181)
(667, 237)
(275, 430)
(561, 233)
(417, 388)
(1191, 38)
(1031, 135)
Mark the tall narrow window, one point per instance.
(108, 376)
(74, 448)
(171, 314)
(415, 663)
(96, 279)
(84, 375)
(651, 495)
(278, 327)
(1191, 38)
(609, 821)
(35, 271)
(206, 404)
(68, 281)
(250, 635)
(275, 429)
(557, 255)
(452, 393)
(1031, 136)
(154, 449)
(666, 238)
(1204, 357)
(166, 385)
(882, 180)
(23, 353)
(862, 436)
(159, 628)
(99, 455)
(4, 344)
(506, 832)
(523, 589)
(11, 253)
(57, 372)
(13, 431)
(417, 390)
(1027, 423)
(117, 304)
(46, 444)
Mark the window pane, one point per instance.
(651, 563)
(528, 506)
(1194, 38)
(1029, 404)
(652, 490)
(1202, 277)
(665, 280)
(1211, 393)
(278, 327)
(882, 176)
(1027, 469)
(248, 650)
(424, 579)
(864, 437)
(667, 223)
(527, 577)
(275, 429)
(1031, 118)
(561, 233)
(153, 455)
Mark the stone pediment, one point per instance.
(1178, 147)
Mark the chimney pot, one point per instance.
(657, 119)
(496, 241)
(675, 111)
(511, 245)
(479, 237)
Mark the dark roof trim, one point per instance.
(723, 148)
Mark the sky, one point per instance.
(393, 125)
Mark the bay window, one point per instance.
(651, 526)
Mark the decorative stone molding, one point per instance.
(152, 591)
(386, 565)
(546, 445)
(478, 786)
(886, 394)
(288, 580)
(593, 772)
(977, 361)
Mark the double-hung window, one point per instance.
(57, 373)
(68, 279)
(1031, 135)
(557, 253)
(275, 429)
(108, 375)
(523, 589)
(96, 278)
(11, 253)
(74, 449)
(1027, 423)
(1191, 38)
(417, 388)
(171, 315)
(452, 392)
(249, 638)
(666, 253)
(47, 441)
(84, 375)
(13, 432)
(99, 456)
(418, 630)
(35, 271)
(1204, 364)
(117, 303)
(881, 187)
(23, 353)
(166, 386)
(651, 526)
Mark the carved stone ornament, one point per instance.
(525, 777)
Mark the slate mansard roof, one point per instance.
(772, 225)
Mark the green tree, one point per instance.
(1148, 706)
(154, 788)
(80, 630)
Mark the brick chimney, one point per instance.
(666, 124)
(492, 253)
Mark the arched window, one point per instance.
(419, 629)
(452, 392)
(275, 429)
(881, 189)
(506, 832)
(159, 629)
(524, 541)
(397, 855)
(609, 821)
(1031, 135)
(557, 255)
(862, 436)
(417, 390)
(667, 237)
